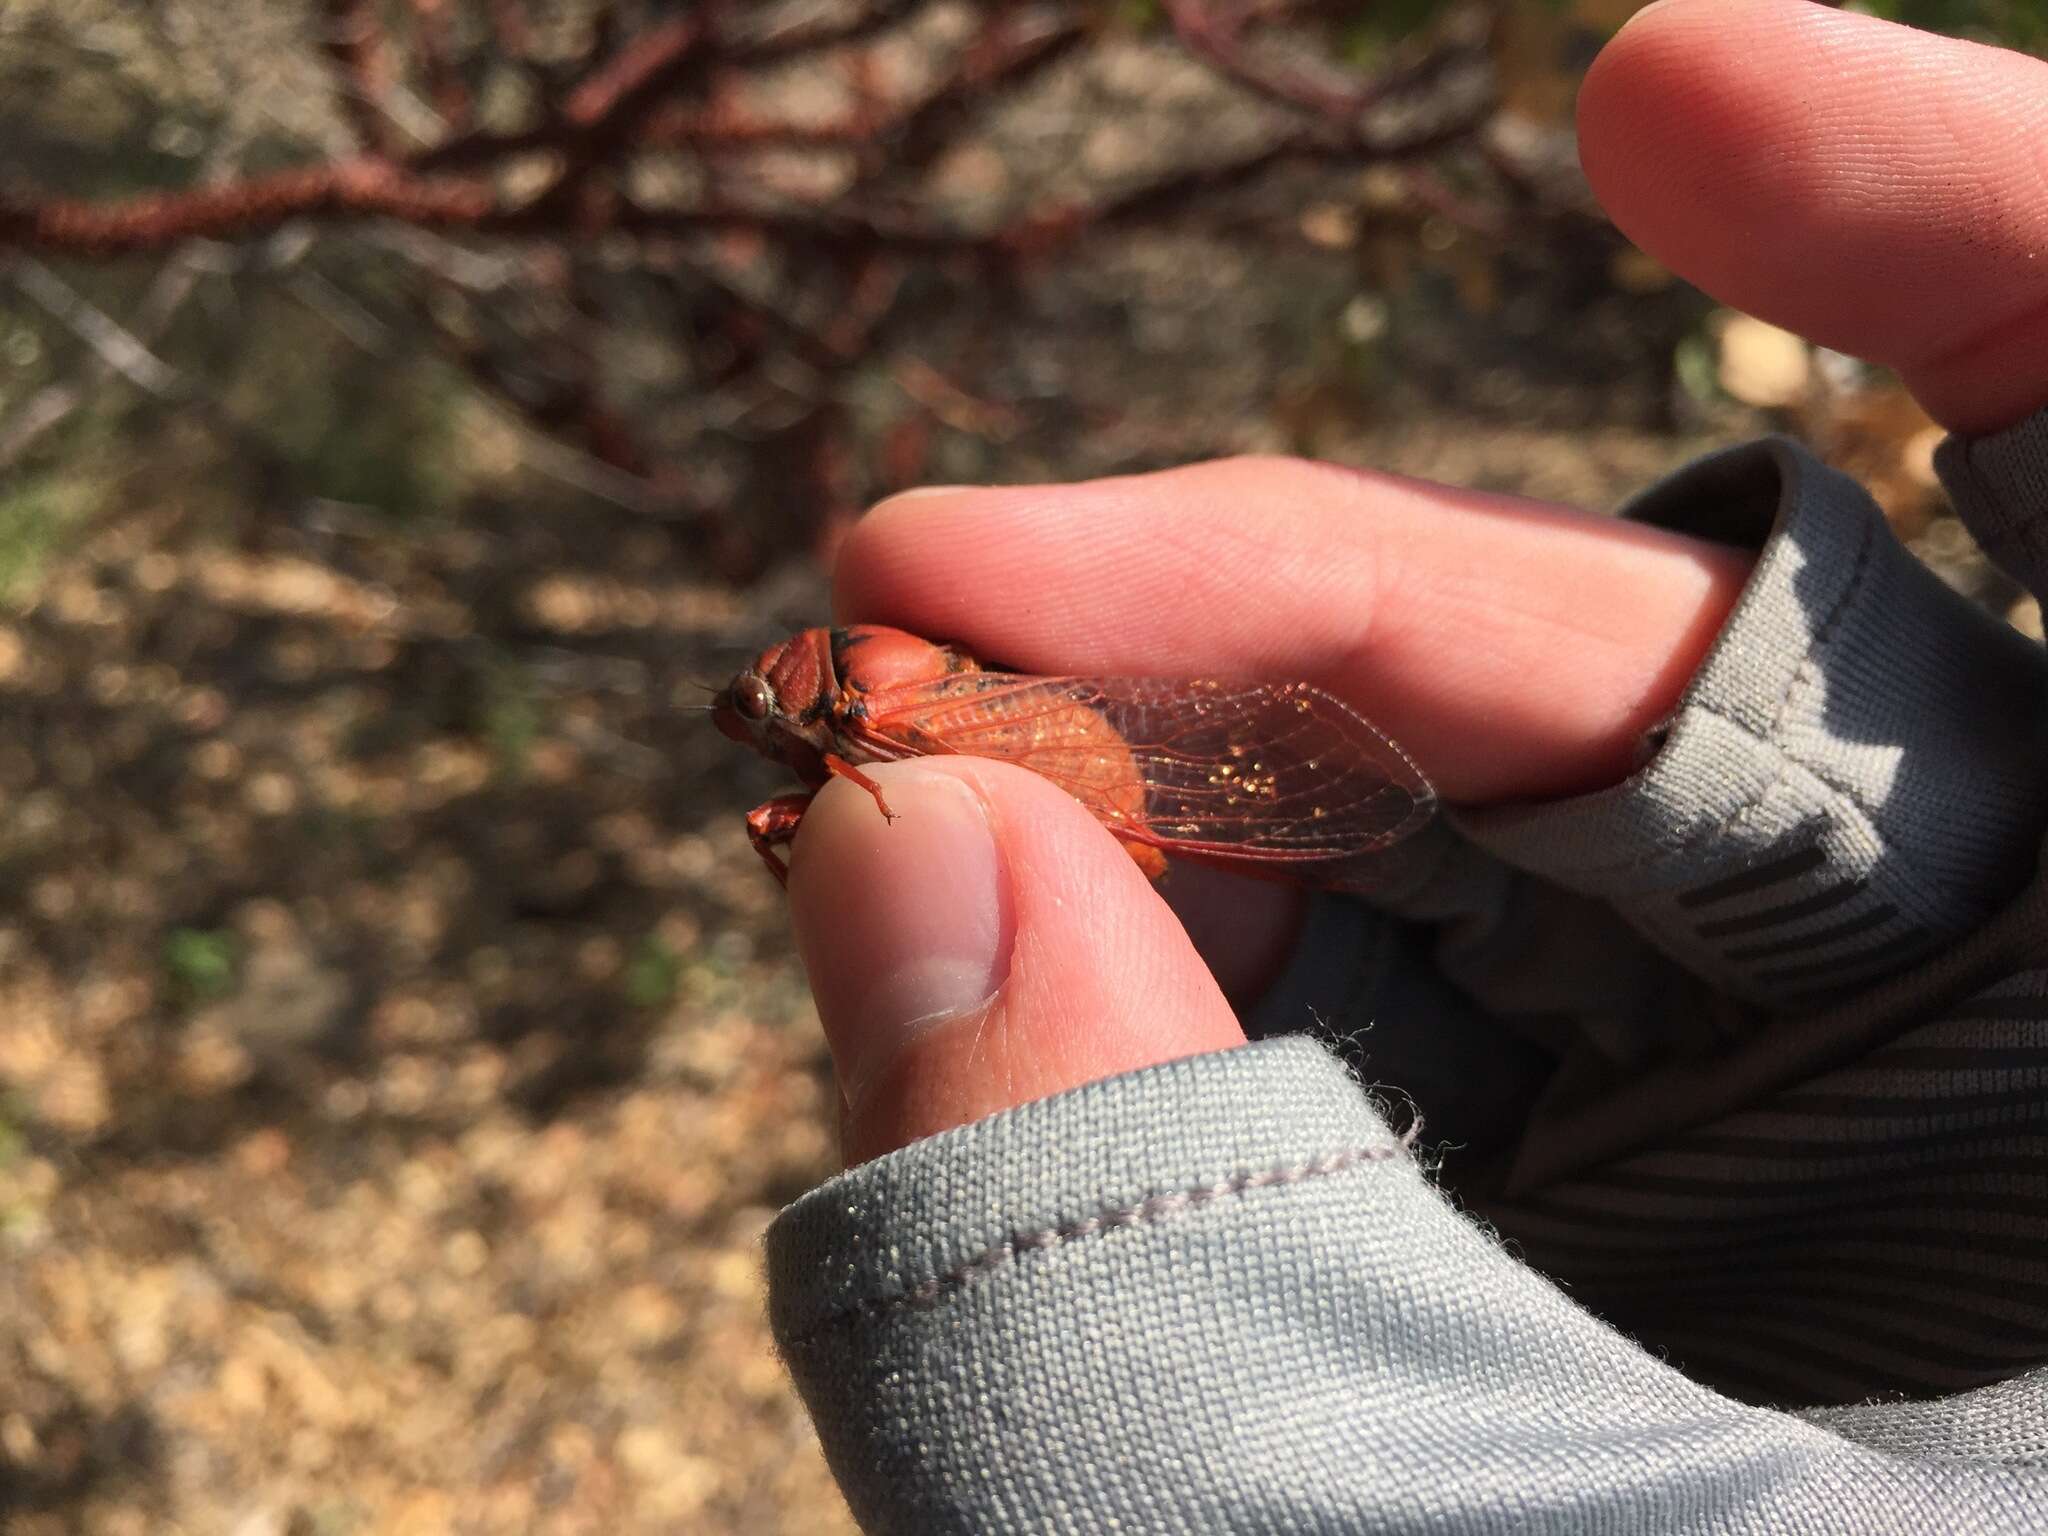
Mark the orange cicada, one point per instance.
(1276, 779)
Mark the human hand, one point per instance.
(1870, 188)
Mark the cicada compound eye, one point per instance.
(752, 697)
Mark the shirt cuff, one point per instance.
(1857, 774)
(1219, 1295)
(1999, 485)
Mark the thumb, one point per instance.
(991, 945)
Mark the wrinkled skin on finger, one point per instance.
(1876, 189)
(1457, 622)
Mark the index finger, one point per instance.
(1516, 649)
(1874, 188)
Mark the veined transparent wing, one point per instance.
(1260, 773)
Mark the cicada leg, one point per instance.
(845, 770)
(1148, 859)
(773, 823)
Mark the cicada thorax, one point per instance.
(871, 659)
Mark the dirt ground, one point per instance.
(399, 1079)
(401, 1051)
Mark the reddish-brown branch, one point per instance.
(350, 189)
(614, 97)
(432, 41)
(1003, 55)
(512, 28)
(870, 103)
(369, 188)
(1214, 33)
(671, 84)
(1446, 202)
(956, 407)
(600, 110)
(629, 98)
(353, 38)
(820, 36)
(916, 130)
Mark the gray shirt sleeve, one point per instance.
(2001, 483)
(1222, 1296)
(1778, 1158)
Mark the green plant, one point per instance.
(653, 973)
(509, 718)
(35, 513)
(2021, 24)
(13, 1140)
(378, 432)
(201, 964)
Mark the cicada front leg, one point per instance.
(773, 823)
(839, 767)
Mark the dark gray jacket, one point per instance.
(1729, 1210)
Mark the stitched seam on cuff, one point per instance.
(930, 1293)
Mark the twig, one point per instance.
(239, 210)
(444, 83)
(361, 328)
(804, 283)
(54, 404)
(352, 37)
(919, 129)
(1439, 197)
(1213, 33)
(512, 28)
(953, 405)
(1359, 112)
(559, 461)
(819, 36)
(115, 346)
(44, 411)
(599, 111)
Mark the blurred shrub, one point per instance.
(201, 964)
(2021, 24)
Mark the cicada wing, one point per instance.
(1267, 773)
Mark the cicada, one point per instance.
(1278, 779)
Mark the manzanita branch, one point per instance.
(692, 88)
(511, 27)
(431, 24)
(354, 40)
(367, 187)
(639, 96)
(1214, 31)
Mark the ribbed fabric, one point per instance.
(1734, 1085)
(1879, 1228)
(2002, 481)
(1857, 774)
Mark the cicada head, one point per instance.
(773, 705)
(805, 698)
(743, 708)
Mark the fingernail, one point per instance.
(904, 925)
